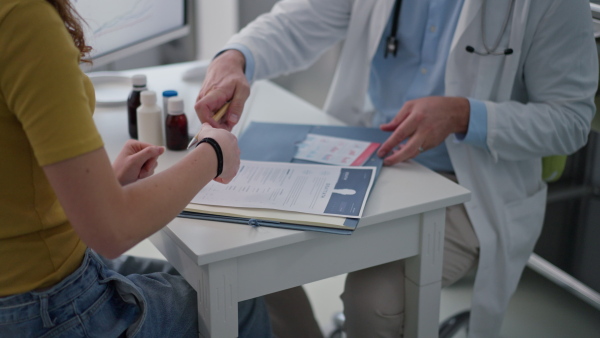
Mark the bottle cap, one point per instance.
(169, 93)
(148, 97)
(175, 105)
(138, 80)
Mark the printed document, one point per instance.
(307, 188)
(335, 150)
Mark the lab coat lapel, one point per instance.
(470, 10)
(364, 33)
(462, 71)
(494, 75)
(517, 34)
(382, 10)
(491, 79)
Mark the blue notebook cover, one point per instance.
(277, 142)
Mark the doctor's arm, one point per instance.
(559, 74)
(289, 38)
(559, 78)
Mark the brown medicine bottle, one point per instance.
(133, 102)
(176, 125)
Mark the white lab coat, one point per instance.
(539, 102)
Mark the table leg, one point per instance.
(218, 299)
(424, 278)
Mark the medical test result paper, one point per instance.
(305, 188)
(335, 150)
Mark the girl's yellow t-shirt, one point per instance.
(46, 106)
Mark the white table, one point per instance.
(227, 263)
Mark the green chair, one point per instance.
(553, 167)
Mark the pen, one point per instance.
(221, 112)
(218, 115)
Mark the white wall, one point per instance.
(217, 20)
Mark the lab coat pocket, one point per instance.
(524, 219)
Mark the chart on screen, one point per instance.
(114, 25)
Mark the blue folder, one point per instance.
(278, 142)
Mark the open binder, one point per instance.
(277, 142)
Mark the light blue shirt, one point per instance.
(425, 32)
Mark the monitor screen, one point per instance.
(119, 28)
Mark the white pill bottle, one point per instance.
(149, 119)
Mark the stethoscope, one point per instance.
(392, 41)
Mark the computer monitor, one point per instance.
(119, 28)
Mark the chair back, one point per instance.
(553, 167)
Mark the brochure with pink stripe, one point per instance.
(335, 150)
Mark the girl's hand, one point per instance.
(136, 160)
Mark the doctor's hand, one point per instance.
(426, 122)
(136, 160)
(225, 81)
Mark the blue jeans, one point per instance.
(95, 301)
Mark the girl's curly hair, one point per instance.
(72, 21)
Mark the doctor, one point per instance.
(479, 90)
